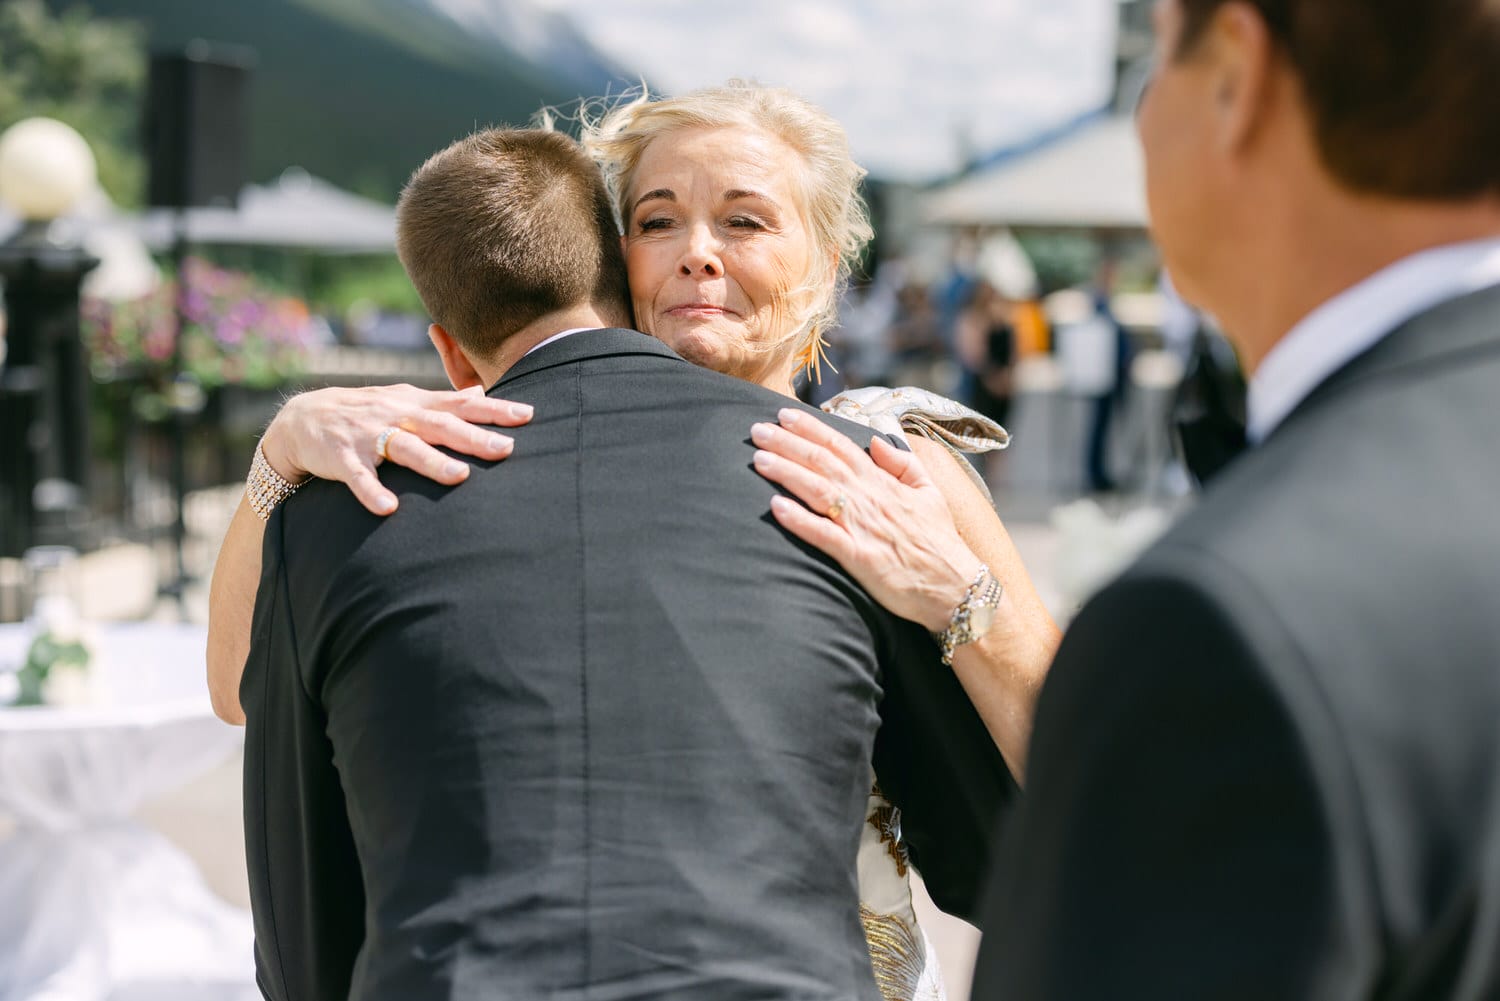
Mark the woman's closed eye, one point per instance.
(656, 224)
(745, 222)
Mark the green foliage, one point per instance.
(1061, 259)
(337, 284)
(1071, 258)
(83, 70)
(47, 653)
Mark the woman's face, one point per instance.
(718, 250)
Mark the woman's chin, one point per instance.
(701, 347)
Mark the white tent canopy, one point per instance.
(1090, 177)
(296, 211)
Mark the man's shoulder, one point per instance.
(1353, 542)
(715, 397)
(321, 501)
(614, 355)
(322, 527)
(1399, 435)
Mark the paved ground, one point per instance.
(204, 817)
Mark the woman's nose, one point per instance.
(701, 256)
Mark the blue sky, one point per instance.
(914, 81)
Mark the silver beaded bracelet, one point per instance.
(973, 616)
(265, 487)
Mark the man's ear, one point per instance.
(1244, 59)
(460, 371)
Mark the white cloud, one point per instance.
(914, 83)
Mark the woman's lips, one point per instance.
(699, 310)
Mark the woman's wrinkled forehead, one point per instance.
(745, 152)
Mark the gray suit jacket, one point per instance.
(591, 725)
(1267, 761)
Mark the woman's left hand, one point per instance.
(881, 515)
(334, 433)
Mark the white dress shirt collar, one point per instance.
(557, 337)
(1354, 320)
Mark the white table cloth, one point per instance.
(94, 906)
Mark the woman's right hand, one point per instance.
(332, 433)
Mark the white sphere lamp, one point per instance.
(46, 167)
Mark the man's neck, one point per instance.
(1332, 251)
(490, 370)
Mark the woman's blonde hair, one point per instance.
(839, 222)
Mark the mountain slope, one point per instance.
(361, 91)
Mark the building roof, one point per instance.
(1089, 176)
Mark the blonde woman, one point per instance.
(740, 215)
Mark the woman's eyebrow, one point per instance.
(665, 194)
(734, 194)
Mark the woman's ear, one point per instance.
(460, 370)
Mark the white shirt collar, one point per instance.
(1354, 320)
(557, 337)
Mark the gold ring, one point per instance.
(837, 507)
(382, 441)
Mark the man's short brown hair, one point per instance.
(1404, 94)
(504, 227)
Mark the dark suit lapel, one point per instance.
(1450, 332)
(586, 344)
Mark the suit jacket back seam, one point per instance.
(583, 677)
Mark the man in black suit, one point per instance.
(1266, 764)
(591, 726)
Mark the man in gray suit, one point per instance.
(1266, 764)
(592, 726)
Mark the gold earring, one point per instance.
(813, 356)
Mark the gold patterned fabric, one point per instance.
(900, 956)
(896, 954)
(887, 820)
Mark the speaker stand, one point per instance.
(176, 586)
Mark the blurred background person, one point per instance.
(985, 346)
(917, 344)
(1095, 356)
(985, 343)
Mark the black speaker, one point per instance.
(196, 125)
